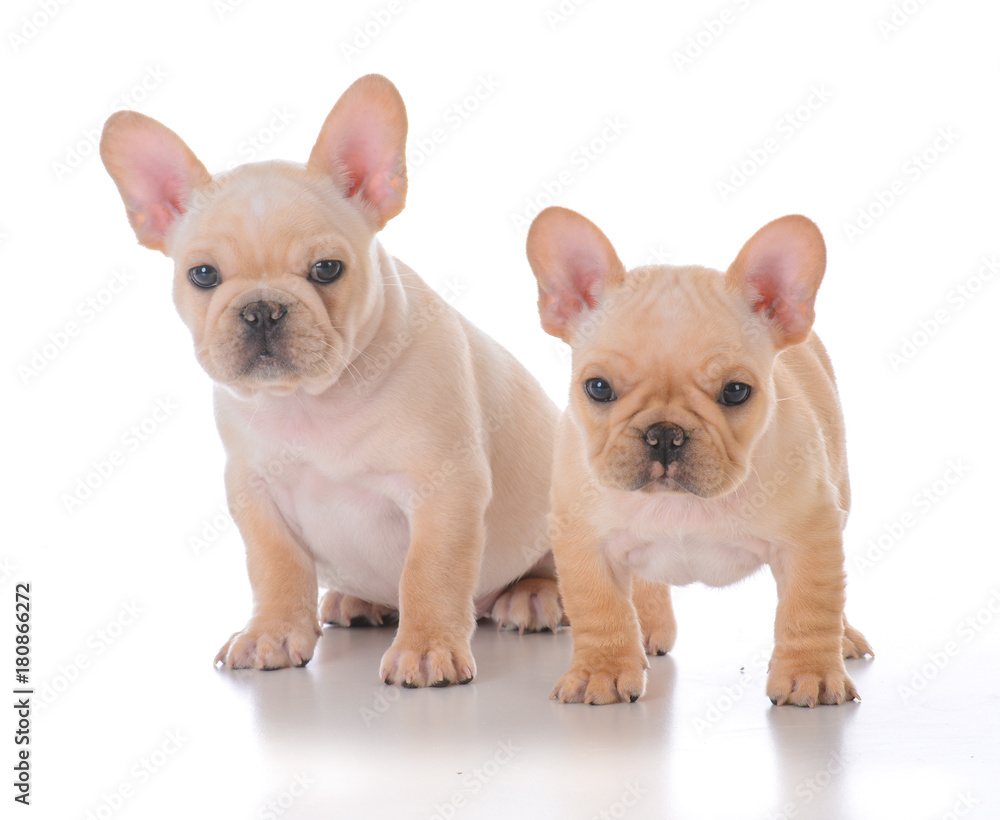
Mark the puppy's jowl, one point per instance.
(378, 444)
(703, 439)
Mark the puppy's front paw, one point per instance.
(414, 663)
(798, 682)
(532, 604)
(271, 644)
(346, 610)
(605, 681)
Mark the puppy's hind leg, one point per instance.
(531, 603)
(656, 615)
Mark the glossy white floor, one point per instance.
(138, 724)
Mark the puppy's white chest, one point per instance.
(316, 465)
(685, 558)
(681, 541)
(354, 528)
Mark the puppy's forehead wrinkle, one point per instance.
(680, 323)
(281, 200)
(679, 292)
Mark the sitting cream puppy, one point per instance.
(378, 444)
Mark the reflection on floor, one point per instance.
(140, 737)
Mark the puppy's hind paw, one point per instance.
(659, 641)
(656, 615)
(854, 643)
(346, 610)
(530, 605)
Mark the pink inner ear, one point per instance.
(373, 171)
(573, 263)
(363, 142)
(157, 198)
(582, 277)
(154, 170)
(571, 287)
(766, 283)
(781, 298)
(365, 152)
(779, 270)
(356, 185)
(163, 185)
(570, 298)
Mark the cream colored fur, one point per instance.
(378, 444)
(665, 484)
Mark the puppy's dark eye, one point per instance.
(599, 390)
(734, 393)
(326, 271)
(204, 276)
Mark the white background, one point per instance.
(855, 98)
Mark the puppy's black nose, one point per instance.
(262, 316)
(665, 442)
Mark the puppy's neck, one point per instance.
(394, 303)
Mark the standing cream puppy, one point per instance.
(703, 439)
(378, 444)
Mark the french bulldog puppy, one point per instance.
(703, 439)
(378, 444)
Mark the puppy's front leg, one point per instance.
(436, 610)
(283, 629)
(807, 666)
(609, 659)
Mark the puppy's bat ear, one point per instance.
(574, 263)
(363, 144)
(155, 173)
(778, 272)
